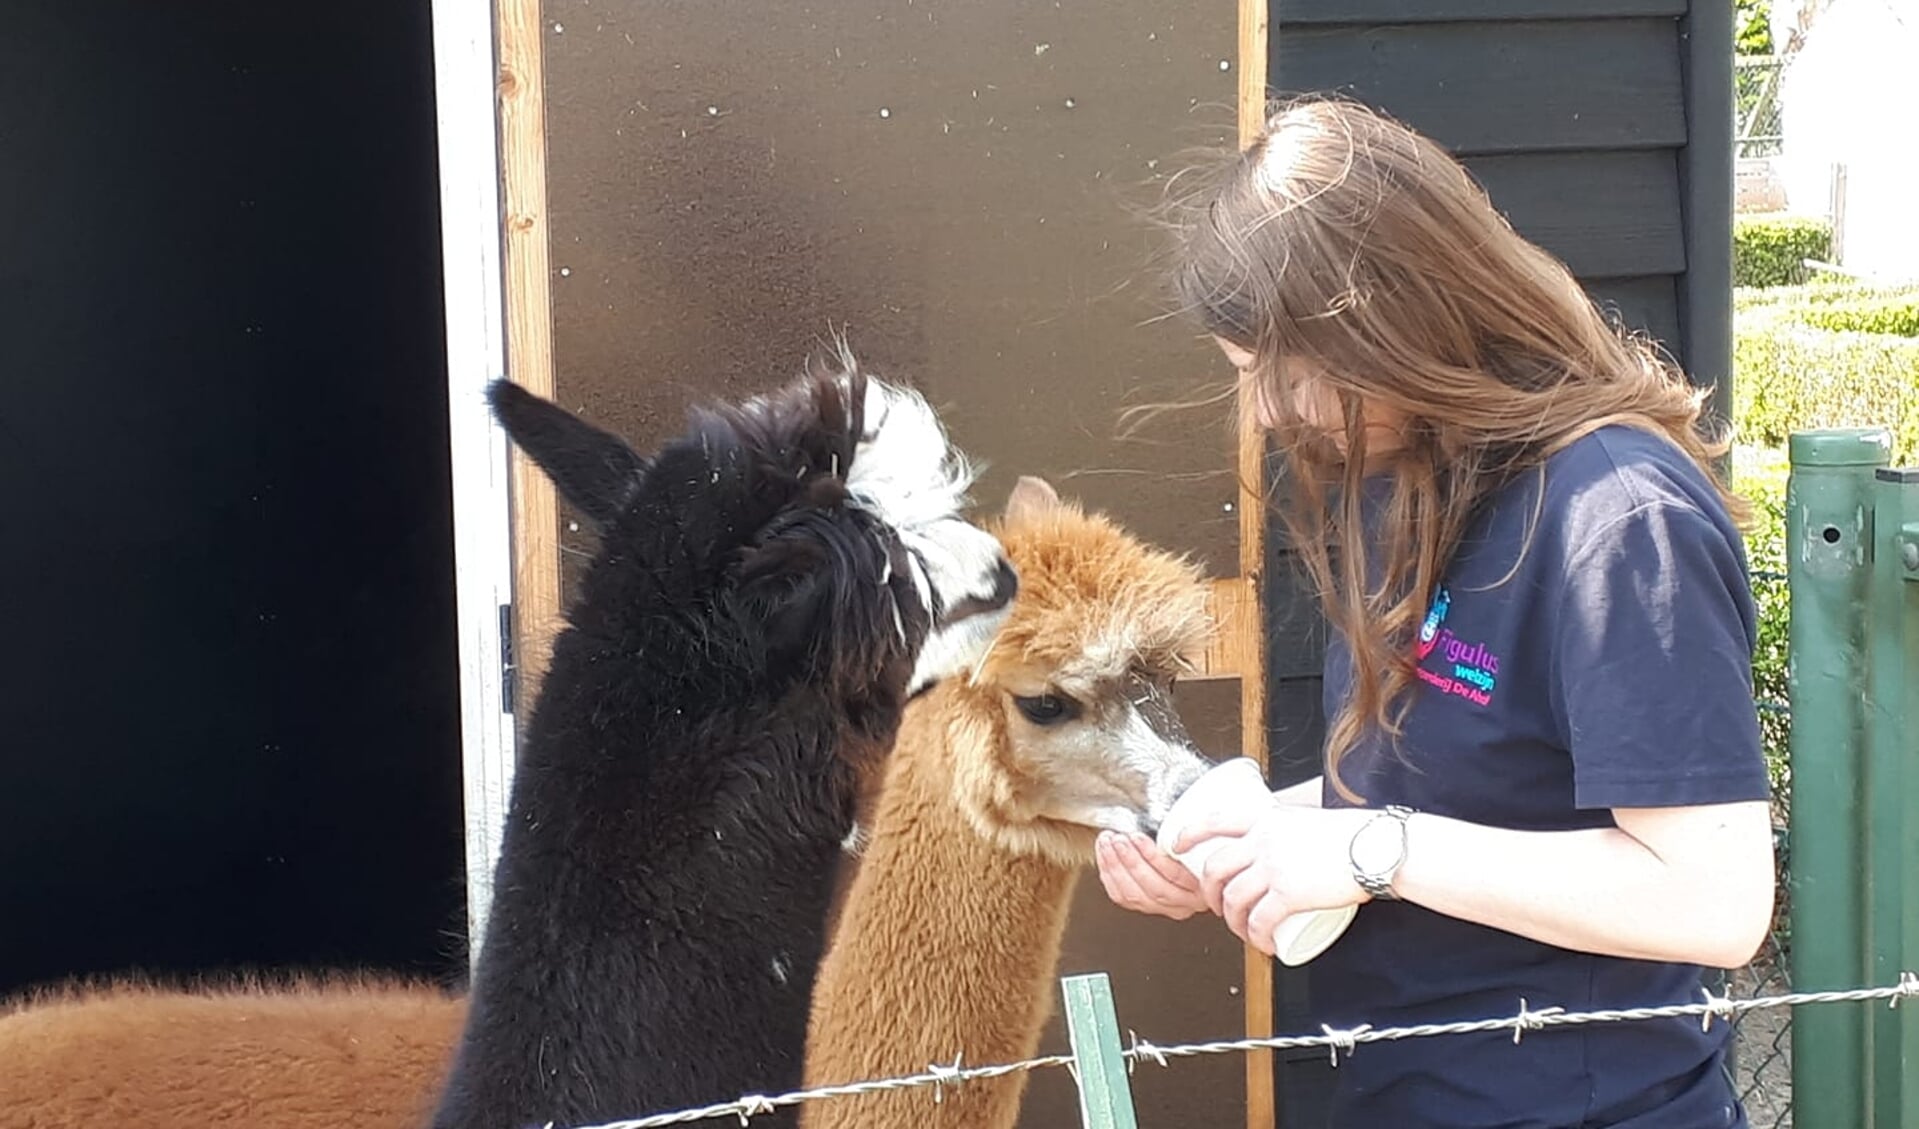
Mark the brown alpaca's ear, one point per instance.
(1031, 498)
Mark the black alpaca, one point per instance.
(769, 591)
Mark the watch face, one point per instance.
(1376, 847)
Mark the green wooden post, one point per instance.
(1105, 1092)
(1892, 779)
(1829, 542)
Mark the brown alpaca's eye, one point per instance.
(1047, 709)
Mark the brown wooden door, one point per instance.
(699, 193)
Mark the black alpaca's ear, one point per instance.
(593, 469)
(796, 586)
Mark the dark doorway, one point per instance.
(229, 677)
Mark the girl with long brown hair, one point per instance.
(1543, 776)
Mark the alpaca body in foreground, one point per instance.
(327, 1054)
(768, 592)
(949, 936)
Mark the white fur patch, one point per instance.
(904, 468)
(1117, 775)
(955, 650)
(907, 473)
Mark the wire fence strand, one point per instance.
(1334, 1041)
(753, 1105)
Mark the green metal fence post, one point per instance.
(1892, 775)
(1829, 542)
(1105, 1092)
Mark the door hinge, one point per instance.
(506, 659)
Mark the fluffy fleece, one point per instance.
(316, 1054)
(949, 936)
(744, 642)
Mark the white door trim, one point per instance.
(466, 76)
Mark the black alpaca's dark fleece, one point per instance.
(688, 772)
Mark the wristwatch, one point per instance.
(1378, 849)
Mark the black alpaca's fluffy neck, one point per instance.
(660, 903)
(740, 647)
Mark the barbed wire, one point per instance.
(752, 1105)
(1335, 1041)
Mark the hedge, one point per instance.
(1771, 250)
(1824, 291)
(1830, 353)
(1894, 314)
(1788, 376)
(1759, 476)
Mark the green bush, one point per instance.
(1788, 376)
(1819, 292)
(1825, 353)
(1759, 476)
(1771, 250)
(1752, 27)
(1841, 305)
(1894, 314)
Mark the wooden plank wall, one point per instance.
(1573, 115)
(1576, 117)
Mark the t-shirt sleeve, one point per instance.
(1652, 660)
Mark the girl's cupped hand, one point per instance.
(1284, 859)
(1140, 877)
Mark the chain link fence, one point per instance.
(1762, 1040)
(1760, 129)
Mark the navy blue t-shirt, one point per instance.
(1610, 668)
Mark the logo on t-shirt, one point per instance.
(1467, 670)
(1429, 630)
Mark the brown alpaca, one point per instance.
(950, 932)
(334, 1054)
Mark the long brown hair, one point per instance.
(1346, 240)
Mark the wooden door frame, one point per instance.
(1246, 632)
(490, 75)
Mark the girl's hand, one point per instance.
(1137, 876)
(1282, 860)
